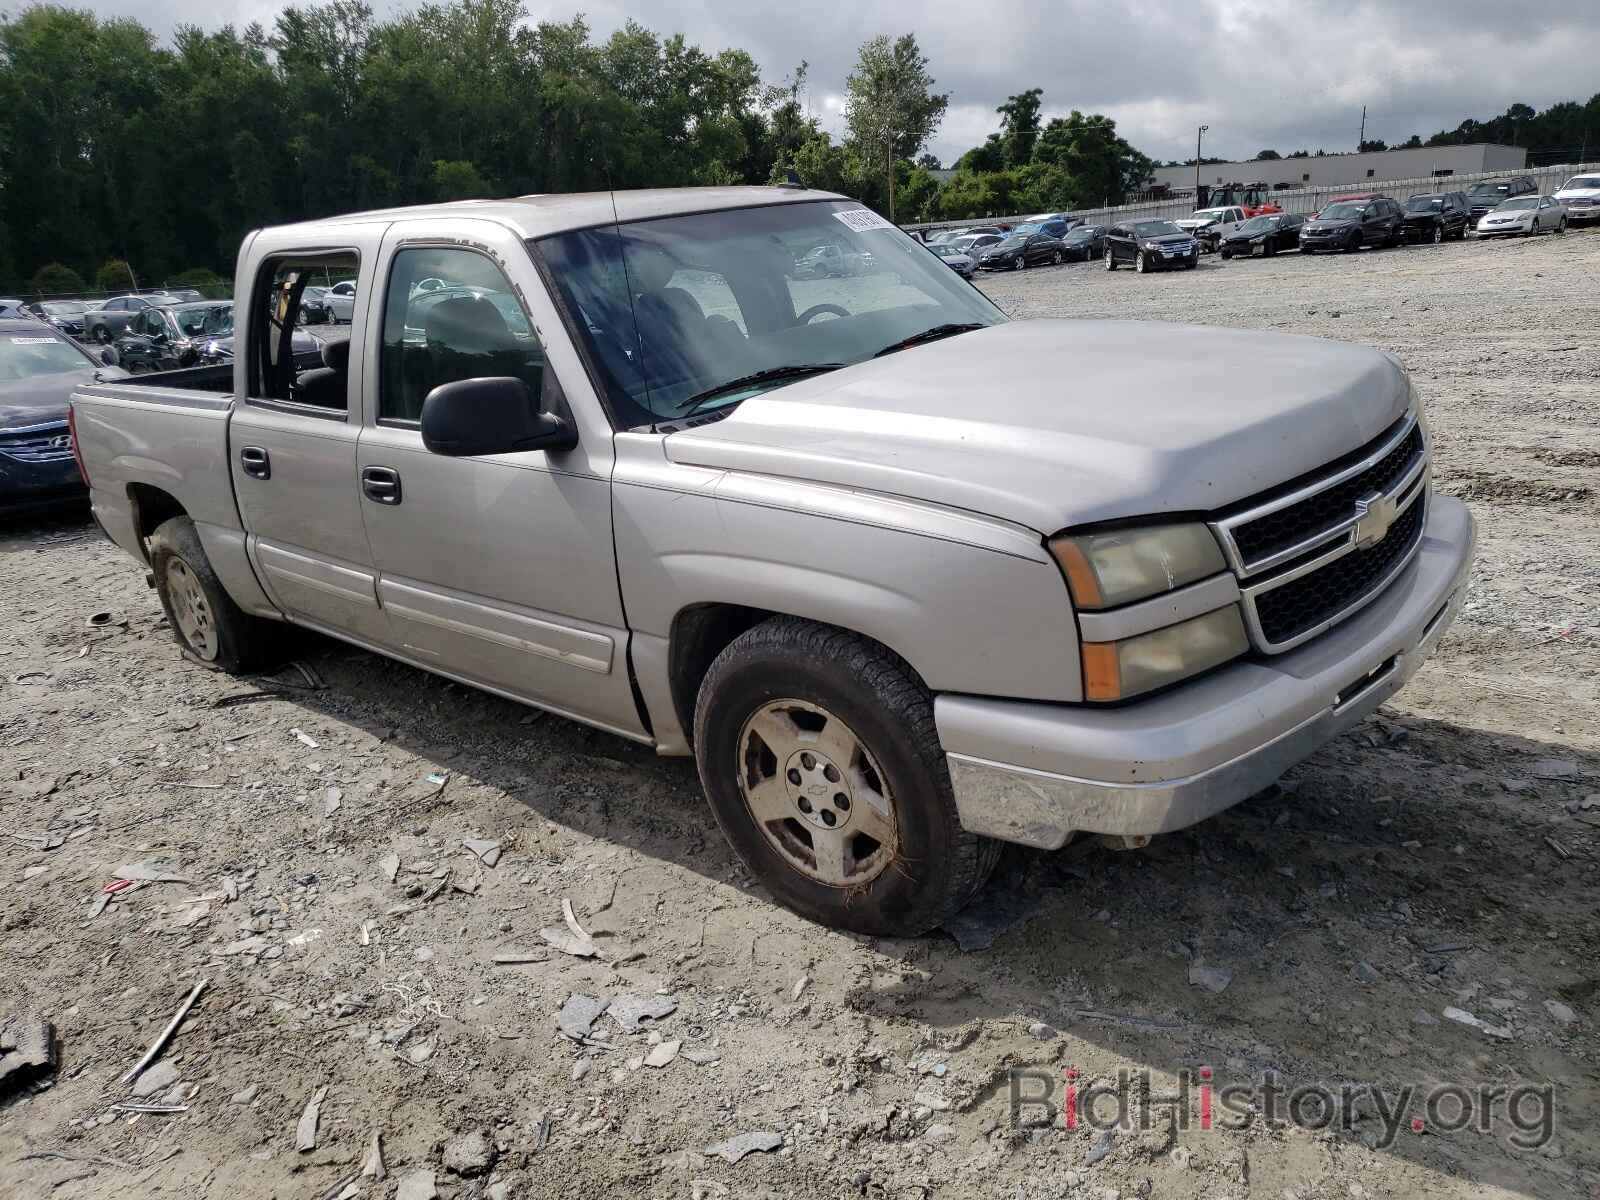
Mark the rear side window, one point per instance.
(449, 315)
(289, 362)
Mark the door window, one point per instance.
(287, 363)
(451, 315)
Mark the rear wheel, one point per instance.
(819, 756)
(204, 619)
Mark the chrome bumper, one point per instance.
(1034, 773)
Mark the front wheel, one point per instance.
(204, 619)
(1438, 234)
(1111, 260)
(1022, 263)
(1141, 264)
(101, 334)
(819, 755)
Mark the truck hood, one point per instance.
(1053, 423)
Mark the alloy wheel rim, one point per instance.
(816, 793)
(191, 609)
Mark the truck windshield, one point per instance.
(676, 310)
(24, 356)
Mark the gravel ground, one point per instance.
(1437, 857)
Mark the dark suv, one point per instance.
(1435, 216)
(1484, 196)
(1352, 224)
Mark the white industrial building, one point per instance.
(1349, 170)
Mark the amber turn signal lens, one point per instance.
(1102, 680)
(1080, 575)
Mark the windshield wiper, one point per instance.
(767, 375)
(930, 335)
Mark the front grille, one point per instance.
(37, 445)
(1287, 612)
(1279, 530)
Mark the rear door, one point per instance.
(292, 439)
(500, 569)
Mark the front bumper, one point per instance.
(27, 485)
(1035, 773)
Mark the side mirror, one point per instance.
(494, 415)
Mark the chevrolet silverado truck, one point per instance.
(909, 579)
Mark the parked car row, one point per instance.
(1511, 207)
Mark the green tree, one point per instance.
(891, 108)
(1102, 167)
(54, 279)
(455, 180)
(1267, 156)
(113, 275)
(1019, 126)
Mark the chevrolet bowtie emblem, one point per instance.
(1374, 515)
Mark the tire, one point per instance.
(1438, 235)
(927, 868)
(204, 619)
(101, 335)
(1058, 259)
(1141, 264)
(1561, 225)
(1111, 259)
(1022, 263)
(1226, 253)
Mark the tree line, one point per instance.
(124, 160)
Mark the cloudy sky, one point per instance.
(1284, 74)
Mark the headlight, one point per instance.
(1119, 566)
(1118, 670)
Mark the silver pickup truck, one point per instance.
(909, 579)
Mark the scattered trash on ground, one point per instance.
(27, 1049)
(735, 1148)
(305, 1132)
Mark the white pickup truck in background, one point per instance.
(907, 578)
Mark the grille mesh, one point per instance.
(35, 446)
(1289, 526)
(1288, 611)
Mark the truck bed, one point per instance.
(216, 377)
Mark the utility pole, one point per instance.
(1198, 135)
(1362, 140)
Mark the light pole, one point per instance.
(1197, 137)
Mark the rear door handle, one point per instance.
(255, 462)
(381, 484)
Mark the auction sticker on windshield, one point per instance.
(862, 219)
(31, 341)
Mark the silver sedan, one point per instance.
(1524, 215)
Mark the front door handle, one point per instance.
(256, 463)
(381, 484)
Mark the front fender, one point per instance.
(975, 605)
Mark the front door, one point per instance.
(292, 444)
(499, 569)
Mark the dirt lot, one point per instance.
(1438, 857)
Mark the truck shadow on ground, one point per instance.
(1412, 865)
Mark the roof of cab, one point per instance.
(537, 216)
